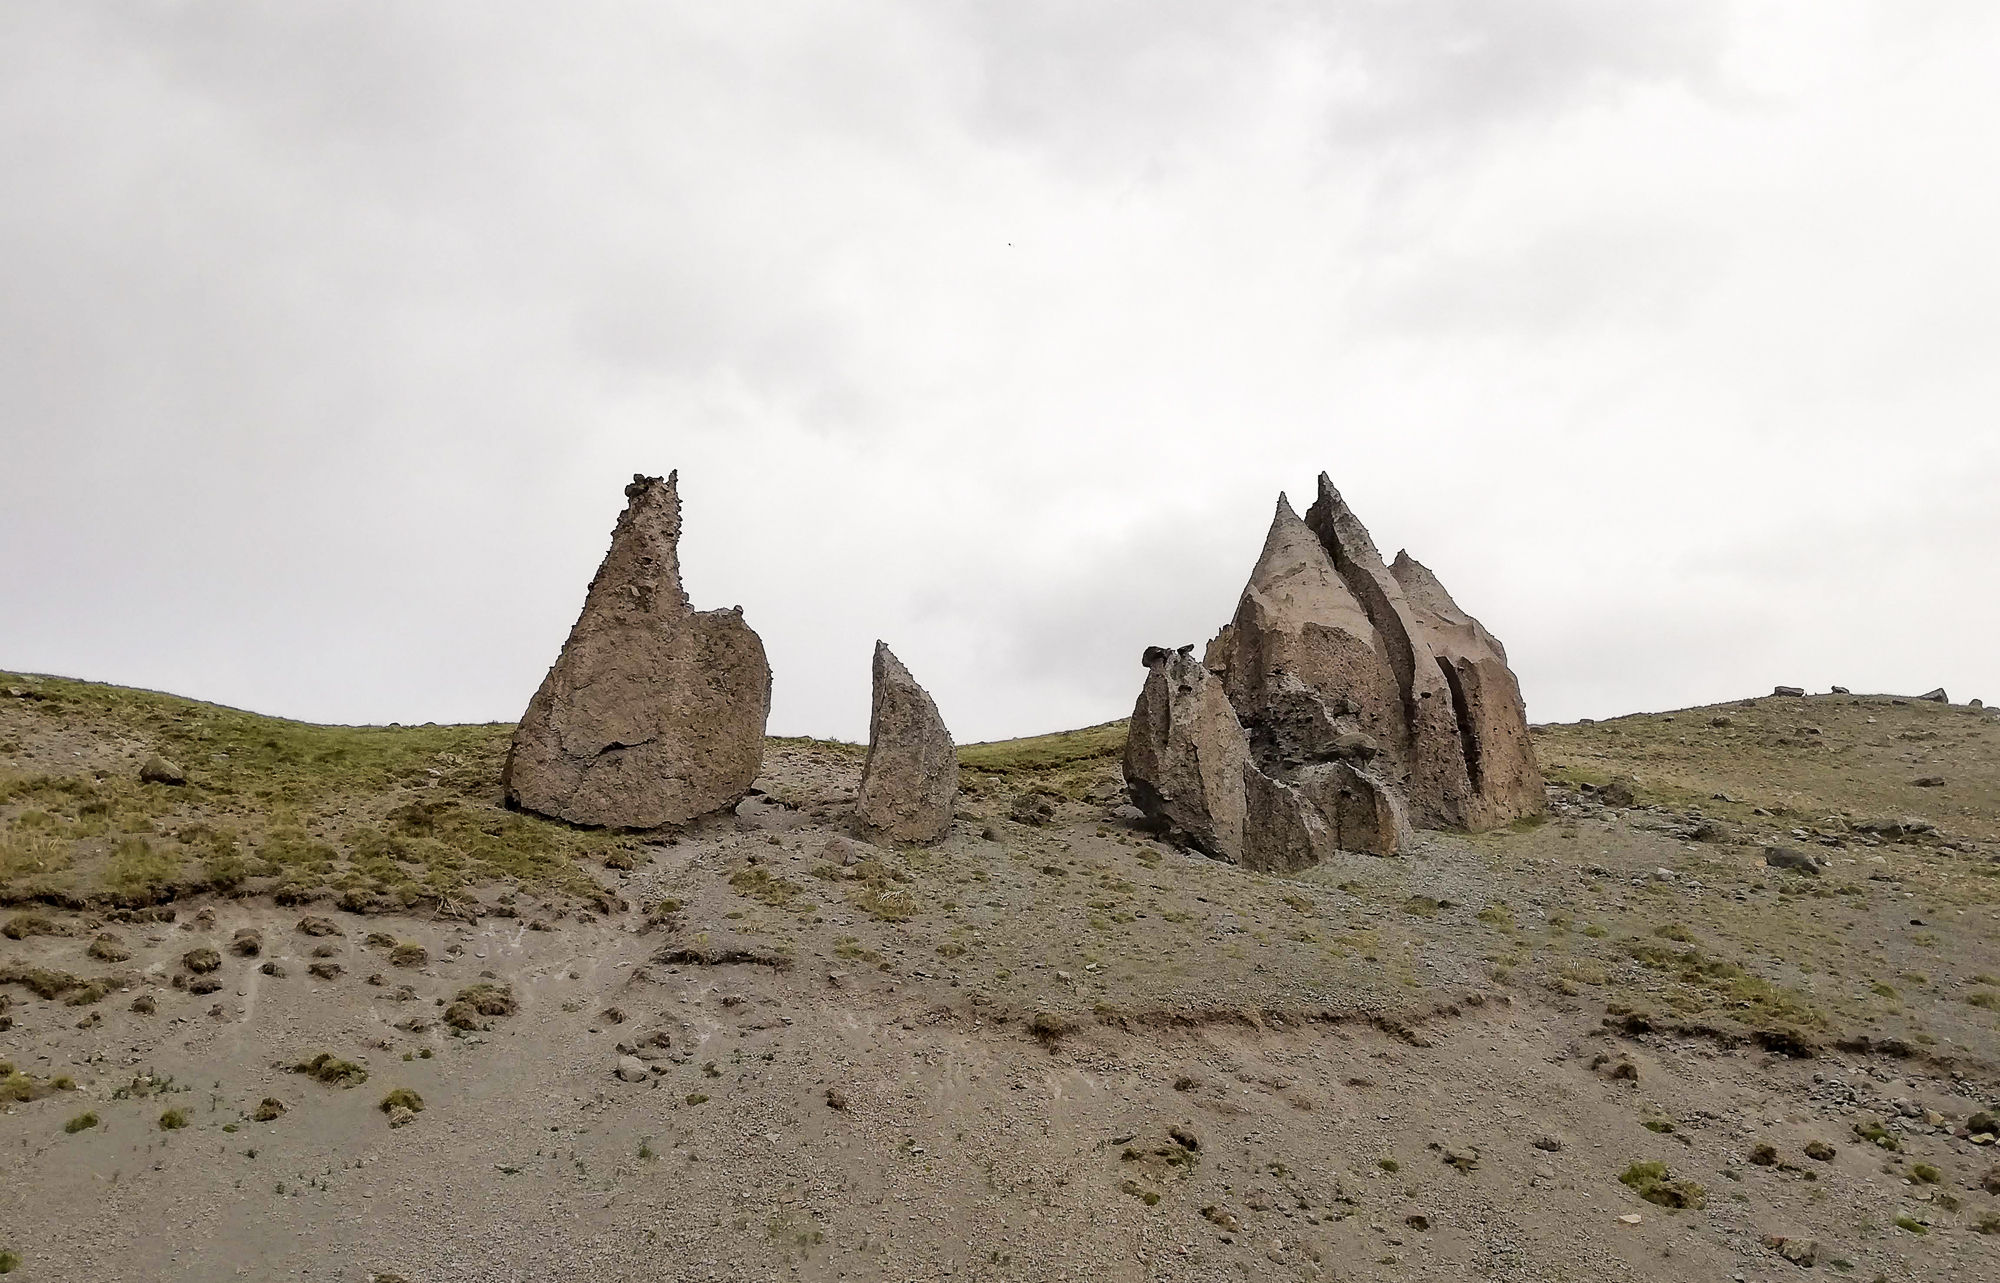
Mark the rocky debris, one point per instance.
(247, 943)
(1841, 690)
(910, 779)
(1784, 857)
(158, 770)
(201, 960)
(653, 714)
(1033, 808)
(631, 1069)
(1936, 696)
(1794, 692)
(1618, 792)
(1930, 782)
(1800, 1252)
(108, 948)
(325, 970)
(312, 926)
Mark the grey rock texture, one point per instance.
(654, 712)
(1362, 697)
(1418, 729)
(1485, 698)
(910, 780)
(1185, 754)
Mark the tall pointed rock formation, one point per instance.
(909, 783)
(654, 712)
(1485, 698)
(1425, 744)
(1345, 701)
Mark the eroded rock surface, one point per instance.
(1363, 697)
(654, 712)
(1486, 701)
(910, 780)
(1185, 754)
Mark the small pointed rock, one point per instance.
(910, 781)
(654, 712)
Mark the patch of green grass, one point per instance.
(82, 1122)
(1654, 1183)
(9, 1261)
(173, 1120)
(1912, 1226)
(1875, 1133)
(1925, 1174)
(1104, 742)
(402, 1098)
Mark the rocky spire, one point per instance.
(909, 783)
(654, 712)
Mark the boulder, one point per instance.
(1784, 857)
(1185, 754)
(910, 780)
(1936, 696)
(1791, 692)
(631, 1069)
(654, 712)
(158, 770)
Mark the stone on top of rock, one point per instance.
(1185, 754)
(910, 780)
(653, 714)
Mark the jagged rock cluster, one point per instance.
(1345, 701)
(910, 780)
(654, 712)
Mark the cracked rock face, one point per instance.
(1355, 699)
(654, 712)
(909, 783)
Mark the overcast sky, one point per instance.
(1666, 332)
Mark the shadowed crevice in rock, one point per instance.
(654, 712)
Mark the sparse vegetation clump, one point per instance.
(268, 1109)
(475, 1005)
(173, 1120)
(402, 1098)
(1654, 1183)
(82, 1122)
(409, 954)
(328, 1068)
